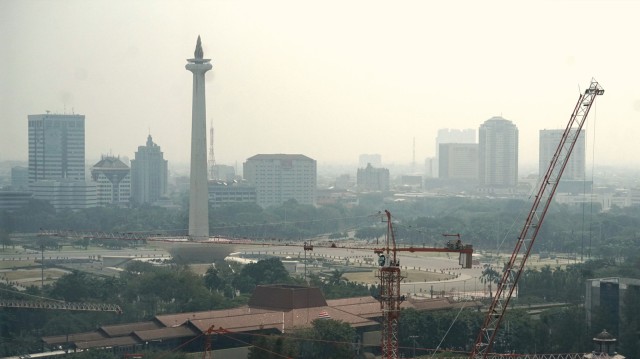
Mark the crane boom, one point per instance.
(59, 305)
(547, 187)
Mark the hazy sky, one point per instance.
(328, 79)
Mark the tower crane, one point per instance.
(390, 298)
(547, 187)
(390, 278)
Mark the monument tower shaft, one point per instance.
(198, 190)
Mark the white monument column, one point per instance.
(198, 190)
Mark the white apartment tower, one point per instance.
(56, 147)
(281, 177)
(549, 141)
(498, 153)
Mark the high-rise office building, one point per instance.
(549, 141)
(113, 179)
(448, 135)
(281, 177)
(372, 179)
(56, 147)
(458, 161)
(498, 154)
(149, 173)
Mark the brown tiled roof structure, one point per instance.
(277, 307)
(126, 329)
(62, 339)
(165, 333)
(286, 297)
(107, 342)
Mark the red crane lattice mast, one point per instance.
(391, 277)
(513, 269)
(390, 298)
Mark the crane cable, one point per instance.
(31, 295)
(447, 332)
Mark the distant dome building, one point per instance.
(113, 179)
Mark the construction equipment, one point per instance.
(60, 305)
(391, 277)
(547, 187)
(390, 298)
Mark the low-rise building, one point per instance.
(66, 193)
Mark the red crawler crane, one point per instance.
(513, 269)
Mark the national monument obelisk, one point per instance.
(198, 190)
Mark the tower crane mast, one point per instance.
(547, 188)
(390, 298)
(390, 278)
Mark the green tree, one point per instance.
(267, 271)
(5, 240)
(489, 276)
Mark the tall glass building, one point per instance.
(56, 147)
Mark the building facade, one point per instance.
(372, 179)
(221, 193)
(281, 177)
(449, 135)
(498, 154)
(223, 173)
(66, 193)
(458, 161)
(149, 173)
(604, 298)
(56, 147)
(549, 141)
(19, 178)
(12, 200)
(113, 181)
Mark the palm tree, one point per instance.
(336, 277)
(489, 276)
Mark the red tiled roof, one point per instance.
(249, 322)
(172, 320)
(126, 329)
(164, 333)
(107, 342)
(62, 339)
(286, 297)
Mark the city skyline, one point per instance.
(286, 82)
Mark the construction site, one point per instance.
(403, 279)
